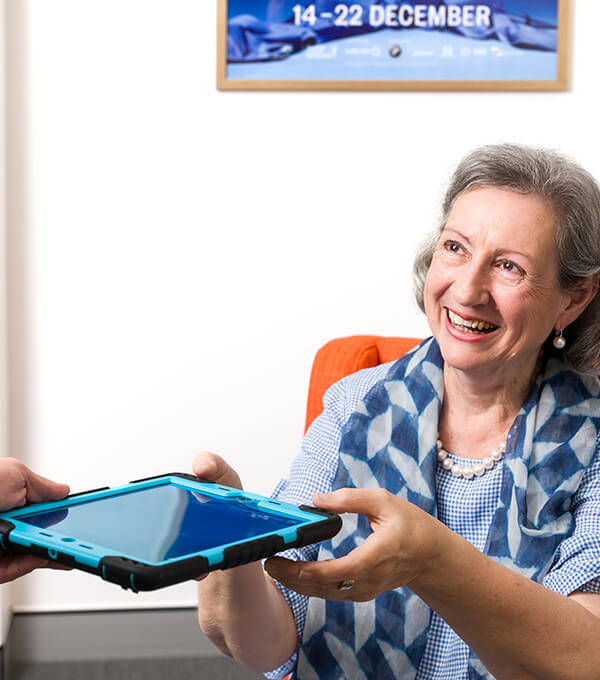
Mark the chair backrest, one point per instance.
(343, 356)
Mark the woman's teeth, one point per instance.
(470, 326)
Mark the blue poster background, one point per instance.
(267, 40)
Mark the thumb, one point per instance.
(215, 469)
(40, 488)
(368, 502)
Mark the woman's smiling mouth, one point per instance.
(477, 326)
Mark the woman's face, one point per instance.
(491, 294)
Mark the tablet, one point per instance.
(159, 531)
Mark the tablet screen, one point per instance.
(161, 522)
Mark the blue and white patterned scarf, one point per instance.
(390, 442)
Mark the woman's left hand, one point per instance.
(405, 543)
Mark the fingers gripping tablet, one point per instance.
(159, 531)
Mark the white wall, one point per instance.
(177, 254)
(4, 604)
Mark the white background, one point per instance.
(4, 609)
(176, 255)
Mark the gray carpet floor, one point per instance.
(206, 668)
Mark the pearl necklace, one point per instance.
(469, 471)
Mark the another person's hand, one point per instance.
(18, 486)
(15, 566)
(403, 545)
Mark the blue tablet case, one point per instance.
(159, 531)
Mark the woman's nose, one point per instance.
(470, 287)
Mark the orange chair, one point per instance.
(343, 356)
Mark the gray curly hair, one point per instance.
(575, 198)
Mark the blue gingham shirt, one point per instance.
(466, 506)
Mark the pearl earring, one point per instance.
(559, 342)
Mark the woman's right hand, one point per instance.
(241, 610)
(215, 469)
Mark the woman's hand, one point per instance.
(241, 610)
(213, 468)
(403, 546)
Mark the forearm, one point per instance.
(519, 629)
(245, 615)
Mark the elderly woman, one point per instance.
(469, 469)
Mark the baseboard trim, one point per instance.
(97, 635)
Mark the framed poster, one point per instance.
(392, 44)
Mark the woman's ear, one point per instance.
(578, 299)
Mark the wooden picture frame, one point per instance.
(330, 45)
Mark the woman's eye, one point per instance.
(511, 268)
(453, 247)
